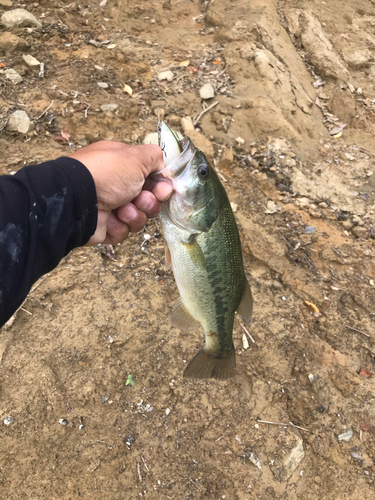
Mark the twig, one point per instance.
(203, 112)
(247, 332)
(96, 466)
(28, 312)
(139, 472)
(356, 330)
(280, 423)
(144, 463)
(218, 439)
(195, 484)
(87, 110)
(45, 111)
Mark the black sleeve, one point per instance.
(46, 210)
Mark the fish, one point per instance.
(203, 248)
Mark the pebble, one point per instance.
(345, 436)
(207, 91)
(10, 42)
(253, 457)
(240, 141)
(20, 122)
(234, 207)
(311, 377)
(20, 17)
(109, 107)
(129, 440)
(151, 138)
(6, 3)
(167, 411)
(166, 75)
(8, 420)
(360, 232)
(63, 422)
(187, 125)
(276, 285)
(271, 207)
(13, 76)
(310, 229)
(103, 85)
(30, 60)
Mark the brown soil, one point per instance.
(103, 313)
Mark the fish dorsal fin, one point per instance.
(195, 252)
(168, 258)
(245, 309)
(181, 318)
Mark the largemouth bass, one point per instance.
(204, 250)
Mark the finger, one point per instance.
(132, 216)
(162, 190)
(117, 230)
(147, 202)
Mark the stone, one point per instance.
(6, 3)
(288, 455)
(10, 43)
(20, 122)
(360, 232)
(357, 59)
(320, 50)
(166, 75)
(345, 436)
(13, 76)
(109, 107)
(207, 91)
(103, 85)
(151, 138)
(187, 125)
(30, 60)
(20, 17)
(202, 143)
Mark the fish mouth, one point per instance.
(178, 165)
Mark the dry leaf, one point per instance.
(365, 373)
(65, 135)
(337, 130)
(313, 306)
(128, 89)
(216, 61)
(366, 427)
(185, 63)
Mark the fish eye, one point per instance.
(203, 171)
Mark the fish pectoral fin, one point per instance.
(207, 364)
(181, 318)
(245, 309)
(195, 252)
(168, 258)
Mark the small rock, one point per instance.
(345, 436)
(20, 17)
(174, 120)
(129, 440)
(271, 207)
(103, 85)
(311, 378)
(360, 232)
(167, 411)
(8, 420)
(30, 60)
(202, 143)
(13, 76)
(63, 422)
(10, 42)
(289, 454)
(151, 138)
(20, 122)
(310, 229)
(165, 75)
(276, 285)
(240, 141)
(253, 457)
(234, 207)
(207, 91)
(187, 125)
(245, 342)
(6, 3)
(227, 159)
(347, 224)
(109, 107)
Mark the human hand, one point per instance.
(127, 197)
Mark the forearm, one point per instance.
(45, 211)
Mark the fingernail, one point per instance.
(131, 212)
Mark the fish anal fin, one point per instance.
(195, 252)
(245, 309)
(181, 318)
(168, 258)
(207, 364)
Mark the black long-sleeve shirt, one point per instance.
(46, 210)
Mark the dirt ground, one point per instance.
(288, 75)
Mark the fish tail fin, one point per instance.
(207, 364)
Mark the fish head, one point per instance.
(197, 191)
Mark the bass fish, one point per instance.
(204, 250)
